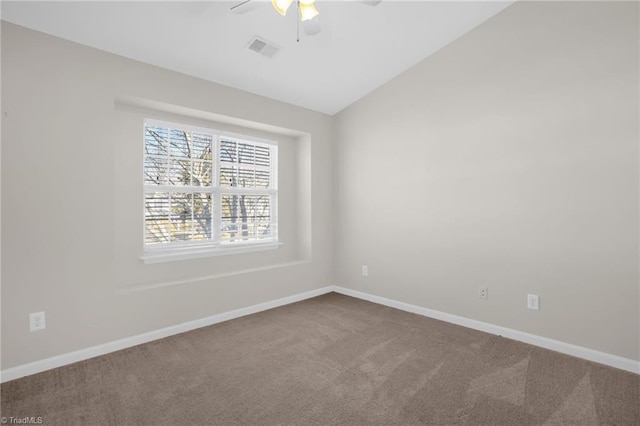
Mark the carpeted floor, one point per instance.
(329, 360)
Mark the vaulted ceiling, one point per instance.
(359, 48)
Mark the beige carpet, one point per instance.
(329, 360)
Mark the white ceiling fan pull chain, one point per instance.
(298, 23)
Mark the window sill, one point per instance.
(170, 255)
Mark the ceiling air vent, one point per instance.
(262, 46)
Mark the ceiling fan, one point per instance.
(306, 11)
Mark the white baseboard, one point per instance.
(543, 342)
(83, 354)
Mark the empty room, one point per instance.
(315, 212)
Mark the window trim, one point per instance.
(157, 253)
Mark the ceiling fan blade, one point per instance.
(244, 7)
(311, 26)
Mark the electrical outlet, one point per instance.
(533, 302)
(36, 321)
(365, 271)
(483, 292)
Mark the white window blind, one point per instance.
(205, 189)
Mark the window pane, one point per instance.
(228, 152)
(202, 208)
(179, 172)
(156, 140)
(245, 165)
(262, 211)
(237, 177)
(246, 154)
(155, 170)
(178, 143)
(229, 221)
(181, 216)
(263, 156)
(262, 179)
(201, 173)
(245, 178)
(245, 217)
(156, 218)
(201, 146)
(177, 157)
(228, 176)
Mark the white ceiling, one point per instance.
(360, 47)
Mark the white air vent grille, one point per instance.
(262, 46)
(257, 45)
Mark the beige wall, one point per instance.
(72, 199)
(508, 159)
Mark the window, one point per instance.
(206, 192)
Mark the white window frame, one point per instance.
(214, 247)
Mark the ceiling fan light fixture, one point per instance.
(281, 6)
(307, 10)
(311, 27)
